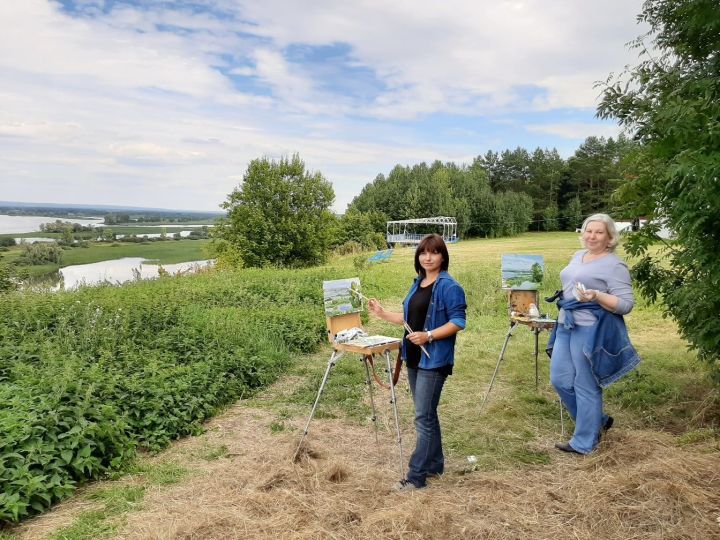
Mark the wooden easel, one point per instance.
(518, 306)
(336, 325)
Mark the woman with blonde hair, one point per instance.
(590, 346)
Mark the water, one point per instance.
(121, 271)
(34, 239)
(26, 224)
(183, 234)
(167, 225)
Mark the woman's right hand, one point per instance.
(375, 308)
(380, 312)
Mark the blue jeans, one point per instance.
(572, 377)
(426, 386)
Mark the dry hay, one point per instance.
(638, 485)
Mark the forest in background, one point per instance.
(508, 192)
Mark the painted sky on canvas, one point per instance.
(163, 103)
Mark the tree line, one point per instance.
(280, 213)
(505, 193)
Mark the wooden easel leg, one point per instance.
(331, 363)
(536, 331)
(393, 400)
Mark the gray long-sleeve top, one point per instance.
(607, 274)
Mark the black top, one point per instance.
(417, 313)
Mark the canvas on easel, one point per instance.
(343, 305)
(522, 271)
(522, 275)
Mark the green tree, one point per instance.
(551, 217)
(365, 228)
(107, 235)
(574, 214)
(671, 102)
(279, 215)
(67, 238)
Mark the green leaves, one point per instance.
(279, 215)
(87, 377)
(672, 103)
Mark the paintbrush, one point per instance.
(405, 324)
(410, 330)
(361, 295)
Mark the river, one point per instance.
(26, 224)
(118, 271)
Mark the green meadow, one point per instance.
(95, 375)
(166, 252)
(519, 423)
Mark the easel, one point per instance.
(334, 326)
(518, 307)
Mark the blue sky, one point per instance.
(163, 104)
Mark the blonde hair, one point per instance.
(609, 225)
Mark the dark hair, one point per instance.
(434, 244)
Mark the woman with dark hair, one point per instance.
(435, 311)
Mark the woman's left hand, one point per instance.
(587, 295)
(418, 338)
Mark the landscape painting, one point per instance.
(341, 296)
(522, 271)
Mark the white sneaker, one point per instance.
(404, 485)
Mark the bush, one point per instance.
(351, 246)
(42, 253)
(87, 377)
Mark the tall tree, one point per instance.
(279, 215)
(671, 101)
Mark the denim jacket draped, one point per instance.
(447, 304)
(609, 351)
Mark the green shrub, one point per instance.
(87, 377)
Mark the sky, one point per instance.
(164, 103)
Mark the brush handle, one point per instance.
(361, 295)
(410, 330)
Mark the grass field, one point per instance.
(167, 252)
(652, 476)
(663, 394)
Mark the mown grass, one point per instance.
(114, 503)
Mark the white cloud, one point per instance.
(112, 108)
(464, 56)
(576, 130)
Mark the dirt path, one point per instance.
(242, 484)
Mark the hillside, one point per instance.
(655, 475)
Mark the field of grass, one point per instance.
(511, 438)
(664, 393)
(167, 252)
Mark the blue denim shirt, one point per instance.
(447, 304)
(609, 351)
